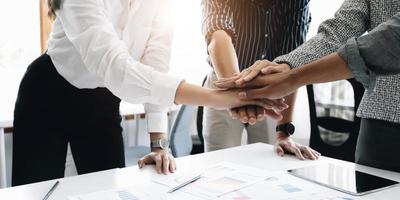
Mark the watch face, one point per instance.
(164, 143)
(290, 129)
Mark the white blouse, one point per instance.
(123, 45)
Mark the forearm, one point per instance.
(288, 113)
(190, 94)
(223, 55)
(327, 69)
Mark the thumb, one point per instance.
(279, 150)
(145, 160)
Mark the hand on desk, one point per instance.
(286, 144)
(164, 161)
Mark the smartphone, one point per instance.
(343, 178)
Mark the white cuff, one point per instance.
(164, 88)
(157, 122)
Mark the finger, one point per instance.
(227, 82)
(172, 166)
(244, 73)
(158, 161)
(298, 153)
(279, 150)
(253, 94)
(307, 152)
(274, 115)
(271, 70)
(255, 70)
(316, 153)
(243, 115)
(260, 111)
(141, 163)
(165, 163)
(280, 106)
(233, 112)
(251, 112)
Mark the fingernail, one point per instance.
(242, 95)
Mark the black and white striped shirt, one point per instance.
(260, 29)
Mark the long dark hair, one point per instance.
(53, 6)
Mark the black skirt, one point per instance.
(378, 144)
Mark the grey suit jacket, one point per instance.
(353, 19)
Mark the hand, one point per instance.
(164, 161)
(286, 144)
(260, 67)
(275, 86)
(226, 99)
(252, 114)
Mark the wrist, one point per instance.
(280, 135)
(296, 79)
(157, 136)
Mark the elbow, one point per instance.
(218, 38)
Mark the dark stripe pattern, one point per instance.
(260, 29)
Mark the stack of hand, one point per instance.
(270, 82)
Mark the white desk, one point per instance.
(127, 110)
(256, 155)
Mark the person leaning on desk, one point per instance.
(101, 52)
(366, 58)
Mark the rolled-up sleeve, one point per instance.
(375, 53)
(217, 15)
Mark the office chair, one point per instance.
(331, 125)
(198, 141)
(180, 138)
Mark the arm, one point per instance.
(157, 55)
(219, 30)
(274, 86)
(378, 52)
(351, 20)
(104, 54)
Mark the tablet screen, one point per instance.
(344, 179)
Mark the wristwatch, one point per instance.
(287, 128)
(160, 143)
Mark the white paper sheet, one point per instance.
(216, 180)
(283, 186)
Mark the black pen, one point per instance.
(51, 190)
(185, 184)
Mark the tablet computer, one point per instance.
(343, 178)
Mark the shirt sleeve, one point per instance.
(157, 55)
(217, 15)
(92, 34)
(351, 20)
(375, 53)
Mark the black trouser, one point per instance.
(379, 144)
(49, 113)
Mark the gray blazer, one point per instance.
(353, 19)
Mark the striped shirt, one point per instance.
(260, 29)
